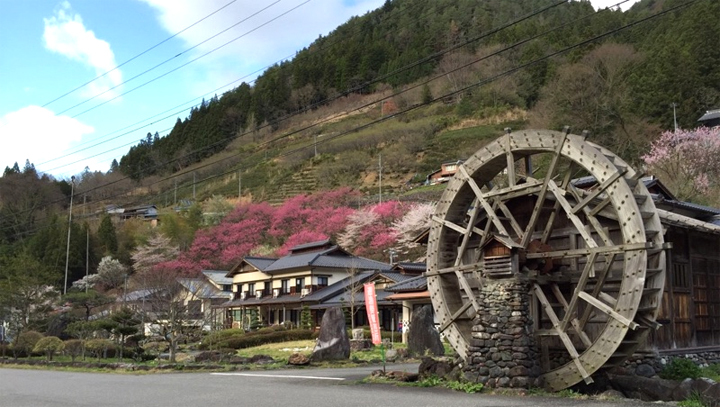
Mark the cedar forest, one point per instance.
(408, 86)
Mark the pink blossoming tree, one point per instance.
(687, 162)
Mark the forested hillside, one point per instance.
(617, 92)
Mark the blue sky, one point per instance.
(49, 48)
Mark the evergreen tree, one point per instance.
(107, 236)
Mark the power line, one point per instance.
(186, 63)
(464, 89)
(517, 21)
(207, 94)
(171, 59)
(140, 54)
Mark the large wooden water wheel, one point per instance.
(588, 239)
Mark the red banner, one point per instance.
(372, 312)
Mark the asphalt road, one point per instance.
(287, 388)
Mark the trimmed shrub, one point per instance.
(258, 338)
(26, 341)
(680, 369)
(74, 348)
(100, 348)
(49, 345)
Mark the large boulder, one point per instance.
(333, 342)
(423, 338)
(644, 388)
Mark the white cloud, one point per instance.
(66, 34)
(37, 134)
(266, 45)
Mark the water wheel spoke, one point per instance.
(463, 308)
(556, 208)
(515, 225)
(450, 225)
(573, 321)
(587, 271)
(489, 211)
(541, 196)
(579, 224)
(607, 310)
(530, 186)
(465, 285)
(567, 342)
(510, 163)
(600, 190)
(468, 232)
(609, 260)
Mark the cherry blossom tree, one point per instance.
(369, 230)
(687, 161)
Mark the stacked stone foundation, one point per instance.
(503, 351)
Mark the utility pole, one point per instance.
(67, 250)
(193, 186)
(239, 184)
(175, 195)
(380, 168)
(87, 254)
(316, 146)
(674, 116)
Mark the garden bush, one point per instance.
(25, 342)
(49, 345)
(74, 348)
(100, 348)
(680, 369)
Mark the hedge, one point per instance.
(260, 337)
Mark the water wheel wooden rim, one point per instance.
(591, 238)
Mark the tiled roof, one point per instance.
(318, 244)
(410, 266)
(260, 263)
(333, 257)
(217, 276)
(341, 299)
(202, 289)
(137, 295)
(418, 283)
(709, 115)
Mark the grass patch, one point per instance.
(695, 400)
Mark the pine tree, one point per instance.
(108, 236)
(306, 318)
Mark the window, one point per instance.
(227, 287)
(267, 288)
(322, 282)
(251, 288)
(299, 284)
(285, 288)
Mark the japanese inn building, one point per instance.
(318, 275)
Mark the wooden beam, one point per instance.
(563, 336)
(541, 197)
(607, 310)
(579, 287)
(455, 316)
(573, 321)
(601, 189)
(579, 225)
(481, 198)
(510, 162)
(586, 251)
